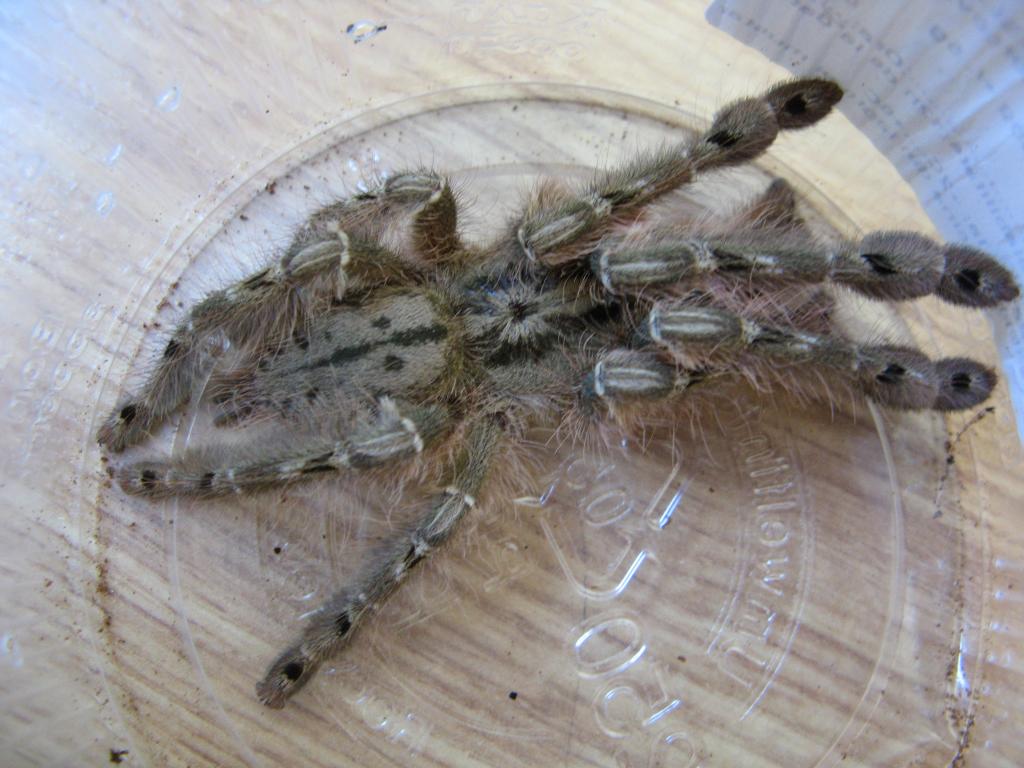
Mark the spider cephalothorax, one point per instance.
(381, 340)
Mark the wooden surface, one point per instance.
(827, 590)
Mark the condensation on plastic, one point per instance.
(682, 602)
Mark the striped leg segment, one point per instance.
(622, 376)
(332, 626)
(883, 265)
(395, 435)
(896, 376)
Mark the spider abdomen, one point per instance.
(399, 346)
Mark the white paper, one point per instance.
(939, 88)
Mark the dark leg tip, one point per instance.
(143, 479)
(124, 427)
(963, 383)
(739, 133)
(803, 102)
(899, 377)
(972, 278)
(289, 673)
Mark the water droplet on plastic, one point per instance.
(170, 99)
(31, 166)
(10, 651)
(115, 153)
(364, 30)
(105, 202)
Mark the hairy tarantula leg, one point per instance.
(435, 225)
(332, 626)
(334, 253)
(364, 213)
(262, 309)
(557, 227)
(395, 435)
(896, 376)
(628, 375)
(775, 208)
(882, 265)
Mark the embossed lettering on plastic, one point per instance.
(751, 640)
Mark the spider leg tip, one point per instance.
(963, 383)
(804, 101)
(973, 278)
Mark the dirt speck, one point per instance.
(951, 457)
(102, 585)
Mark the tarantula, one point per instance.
(381, 340)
